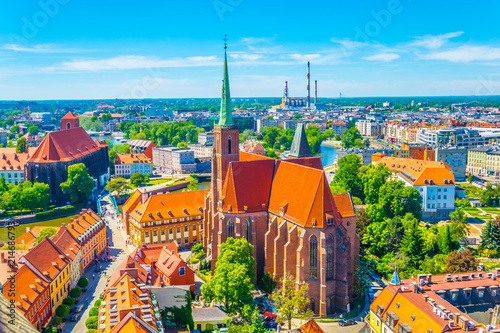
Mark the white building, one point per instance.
(128, 164)
(369, 129)
(174, 160)
(206, 138)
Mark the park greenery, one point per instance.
(79, 185)
(351, 138)
(26, 196)
(166, 133)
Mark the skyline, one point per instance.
(62, 49)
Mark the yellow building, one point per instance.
(403, 153)
(484, 161)
(48, 261)
(164, 218)
(208, 319)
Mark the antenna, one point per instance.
(225, 42)
(286, 92)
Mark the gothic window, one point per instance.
(313, 257)
(229, 145)
(329, 257)
(68, 125)
(230, 229)
(247, 230)
(313, 305)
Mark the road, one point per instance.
(118, 249)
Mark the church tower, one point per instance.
(226, 138)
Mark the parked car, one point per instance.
(79, 308)
(75, 317)
(347, 322)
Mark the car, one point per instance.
(347, 322)
(79, 308)
(75, 317)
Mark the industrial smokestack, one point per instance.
(286, 92)
(308, 84)
(315, 91)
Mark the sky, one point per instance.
(75, 49)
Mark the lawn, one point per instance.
(158, 181)
(471, 190)
(491, 210)
(471, 209)
(490, 264)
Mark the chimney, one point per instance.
(28, 229)
(308, 84)
(315, 91)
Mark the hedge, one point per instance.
(97, 303)
(55, 213)
(92, 331)
(69, 301)
(91, 322)
(75, 292)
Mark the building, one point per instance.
(253, 147)
(454, 157)
(33, 140)
(30, 295)
(364, 154)
(339, 126)
(418, 151)
(47, 261)
(58, 150)
(70, 246)
(172, 270)
(208, 319)
(201, 150)
(21, 324)
(459, 137)
(434, 180)
(206, 138)
(142, 147)
(370, 129)
(300, 233)
(174, 160)
(157, 112)
(128, 164)
(12, 164)
(29, 238)
(161, 218)
(460, 303)
(3, 138)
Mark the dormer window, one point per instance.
(467, 292)
(480, 292)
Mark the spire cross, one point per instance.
(225, 42)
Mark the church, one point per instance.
(286, 210)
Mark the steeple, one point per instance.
(226, 113)
(300, 146)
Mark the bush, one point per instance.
(97, 303)
(91, 323)
(55, 213)
(92, 331)
(75, 292)
(357, 201)
(62, 310)
(51, 330)
(83, 282)
(57, 321)
(69, 301)
(94, 312)
(196, 247)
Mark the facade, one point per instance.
(201, 150)
(454, 157)
(58, 150)
(161, 218)
(172, 270)
(370, 129)
(295, 232)
(460, 137)
(339, 127)
(142, 147)
(484, 161)
(128, 164)
(434, 180)
(206, 138)
(33, 140)
(70, 246)
(157, 112)
(174, 160)
(12, 164)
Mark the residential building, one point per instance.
(12, 164)
(253, 147)
(3, 138)
(369, 129)
(264, 122)
(484, 161)
(58, 150)
(209, 319)
(434, 181)
(128, 164)
(33, 140)
(47, 261)
(418, 151)
(340, 126)
(70, 246)
(456, 158)
(158, 112)
(172, 270)
(161, 218)
(206, 138)
(201, 150)
(174, 160)
(459, 137)
(142, 147)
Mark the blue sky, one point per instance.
(75, 49)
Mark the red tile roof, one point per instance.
(66, 242)
(132, 159)
(312, 162)
(70, 115)
(344, 205)
(47, 259)
(244, 156)
(12, 161)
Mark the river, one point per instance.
(18, 231)
(328, 155)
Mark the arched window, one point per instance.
(229, 145)
(230, 229)
(68, 125)
(313, 257)
(329, 257)
(313, 305)
(247, 230)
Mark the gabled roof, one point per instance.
(312, 162)
(244, 156)
(300, 146)
(169, 263)
(131, 202)
(65, 145)
(132, 324)
(47, 259)
(344, 205)
(248, 184)
(132, 159)
(311, 327)
(66, 242)
(82, 222)
(201, 315)
(12, 161)
(70, 115)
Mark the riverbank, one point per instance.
(21, 229)
(332, 143)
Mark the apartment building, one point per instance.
(128, 164)
(174, 160)
(484, 161)
(370, 129)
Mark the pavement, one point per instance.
(119, 250)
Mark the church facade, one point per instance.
(286, 210)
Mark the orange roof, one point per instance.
(169, 263)
(70, 115)
(344, 205)
(241, 192)
(131, 324)
(28, 239)
(420, 172)
(47, 259)
(311, 205)
(11, 161)
(312, 162)
(6, 268)
(82, 222)
(66, 242)
(244, 156)
(65, 145)
(132, 201)
(132, 159)
(311, 327)
(170, 205)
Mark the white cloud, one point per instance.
(304, 57)
(246, 56)
(133, 62)
(256, 40)
(383, 57)
(349, 43)
(41, 48)
(434, 42)
(466, 53)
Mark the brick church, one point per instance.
(58, 150)
(285, 208)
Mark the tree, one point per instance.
(373, 178)
(436, 265)
(412, 244)
(22, 145)
(490, 237)
(470, 177)
(446, 244)
(46, 232)
(14, 129)
(254, 325)
(291, 300)
(33, 130)
(395, 199)
(396, 232)
(112, 157)
(347, 176)
(62, 310)
(57, 321)
(297, 116)
(463, 203)
(267, 284)
(91, 322)
(120, 185)
(83, 282)
(69, 301)
(75, 292)
(461, 262)
(349, 137)
(79, 185)
(458, 225)
(362, 222)
(106, 117)
(94, 312)
(234, 277)
(376, 238)
(138, 179)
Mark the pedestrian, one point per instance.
(93, 276)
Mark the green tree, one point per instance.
(79, 184)
(396, 199)
(193, 185)
(470, 177)
(412, 244)
(436, 265)
(94, 312)
(347, 175)
(373, 178)
(349, 137)
(395, 233)
(490, 237)
(297, 116)
(376, 238)
(291, 300)
(120, 185)
(14, 129)
(46, 232)
(461, 262)
(112, 157)
(267, 284)
(69, 301)
(234, 277)
(83, 282)
(91, 323)
(33, 130)
(458, 225)
(106, 117)
(446, 244)
(62, 310)
(182, 145)
(138, 179)
(75, 292)
(22, 145)
(254, 325)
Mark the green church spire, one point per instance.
(226, 113)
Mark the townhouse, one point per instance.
(128, 164)
(68, 244)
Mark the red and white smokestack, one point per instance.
(315, 91)
(308, 84)
(286, 92)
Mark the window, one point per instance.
(186, 240)
(147, 234)
(329, 257)
(229, 145)
(178, 229)
(247, 230)
(230, 229)
(171, 231)
(313, 257)
(154, 233)
(163, 232)
(186, 229)
(182, 271)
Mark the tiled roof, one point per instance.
(132, 201)
(344, 205)
(11, 161)
(47, 259)
(244, 156)
(132, 324)
(70, 115)
(168, 263)
(170, 205)
(82, 222)
(311, 327)
(208, 314)
(6, 268)
(65, 145)
(312, 162)
(132, 159)
(66, 242)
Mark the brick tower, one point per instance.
(69, 121)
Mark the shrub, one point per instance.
(55, 213)
(51, 330)
(92, 331)
(94, 312)
(62, 310)
(97, 303)
(69, 301)
(91, 323)
(57, 321)
(83, 282)
(75, 292)
(197, 247)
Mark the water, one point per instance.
(4, 235)
(328, 155)
(108, 137)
